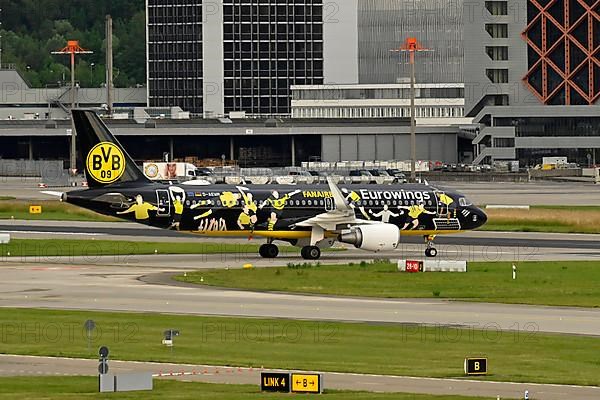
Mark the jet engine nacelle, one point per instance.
(375, 238)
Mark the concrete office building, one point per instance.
(213, 58)
(436, 104)
(532, 79)
(268, 59)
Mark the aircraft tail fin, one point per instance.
(104, 160)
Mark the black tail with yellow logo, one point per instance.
(104, 159)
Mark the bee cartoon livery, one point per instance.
(370, 217)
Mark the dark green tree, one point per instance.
(32, 29)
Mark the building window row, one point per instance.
(361, 94)
(377, 112)
(497, 7)
(497, 75)
(497, 53)
(504, 142)
(497, 31)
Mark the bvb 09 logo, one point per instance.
(105, 162)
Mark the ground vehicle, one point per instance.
(204, 172)
(379, 172)
(399, 175)
(360, 172)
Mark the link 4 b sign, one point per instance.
(275, 382)
(475, 366)
(307, 383)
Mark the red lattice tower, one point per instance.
(563, 40)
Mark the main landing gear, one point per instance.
(268, 250)
(310, 252)
(430, 251)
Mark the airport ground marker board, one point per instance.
(275, 382)
(307, 383)
(475, 366)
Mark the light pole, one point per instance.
(73, 48)
(411, 45)
(92, 74)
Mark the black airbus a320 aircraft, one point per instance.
(370, 217)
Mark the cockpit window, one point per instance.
(464, 202)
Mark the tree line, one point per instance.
(32, 29)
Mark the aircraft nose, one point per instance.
(481, 217)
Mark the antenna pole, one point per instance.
(109, 64)
(73, 48)
(411, 45)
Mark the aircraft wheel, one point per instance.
(268, 250)
(431, 252)
(311, 253)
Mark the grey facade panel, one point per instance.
(349, 147)
(402, 147)
(213, 58)
(439, 147)
(435, 146)
(340, 42)
(385, 24)
(367, 148)
(385, 147)
(330, 150)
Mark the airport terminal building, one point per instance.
(275, 82)
(252, 143)
(532, 79)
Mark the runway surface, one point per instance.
(143, 289)
(482, 238)
(470, 246)
(532, 193)
(44, 366)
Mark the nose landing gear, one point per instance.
(430, 251)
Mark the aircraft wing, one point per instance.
(342, 214)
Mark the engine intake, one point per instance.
(374, 238)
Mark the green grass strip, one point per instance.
(78, 387)
(560, 283)
(52, 210)
(51, 248)
(522, 355)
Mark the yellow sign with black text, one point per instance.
(105, 162)
(476, 366)
(306, 383)
(35, 209)
(275, 382)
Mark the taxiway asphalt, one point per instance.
(48, 366)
